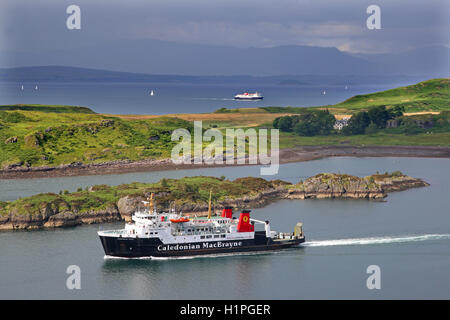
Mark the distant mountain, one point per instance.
(39, 74)
(171, 58)
(162, 57)
(433, 60)
(63, 73)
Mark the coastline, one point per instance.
(288, 155)
(102, 203)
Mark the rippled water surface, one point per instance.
(407, 236)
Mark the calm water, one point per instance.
(134, 98)
(408, 236)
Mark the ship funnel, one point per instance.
(244, 224)
(227, 212)
(267, 228)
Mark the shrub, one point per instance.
(12, 117)
(371, 128)
(309, 123)
(357, 123)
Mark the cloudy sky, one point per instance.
(406, 24)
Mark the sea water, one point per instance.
(407, 236)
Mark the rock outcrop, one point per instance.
(102, 204)
(11, 140)
(329, 185)
(127, 205)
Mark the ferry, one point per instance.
(249, 96)
(164, 235)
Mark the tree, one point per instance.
(371, 128)
(275, 122)
(357, 123)
(396, 112)
(379, 115)
(314, 123)
(285, 124)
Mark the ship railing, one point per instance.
(111, 232)
(286, 235)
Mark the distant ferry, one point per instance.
(154, 235)
(248, 96)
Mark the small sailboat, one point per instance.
(35, 88)
(346, 87)
(152, 93)
(21, 88)
(324, 92)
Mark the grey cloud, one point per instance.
(406, 24)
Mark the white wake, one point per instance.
(375, 240)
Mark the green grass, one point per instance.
(55, 135)
(188, 190)
(430, 95)
(384, 138)
(46, 108)
(60, 138)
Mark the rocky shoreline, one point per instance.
(55, 212)
(305, 153)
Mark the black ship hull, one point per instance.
(255, 98)
(153, 247)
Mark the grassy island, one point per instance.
(102, 203)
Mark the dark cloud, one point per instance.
(406, 24)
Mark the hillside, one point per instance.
(38, 135)
(62, 135)
(425, 96)
(45, 108)
(431, 95)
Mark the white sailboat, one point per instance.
(324, 92)
(21, 88)
(152, 93)
(35, 88)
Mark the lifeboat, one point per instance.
(179, 220)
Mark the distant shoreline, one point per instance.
(289, 155)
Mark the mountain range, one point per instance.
(174, 58)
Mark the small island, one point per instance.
(103, 203)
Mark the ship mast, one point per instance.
(150, 205)
(209, 205)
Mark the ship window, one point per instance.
(210, 236)
(216, 236)
(222, 236)
(202, 237)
